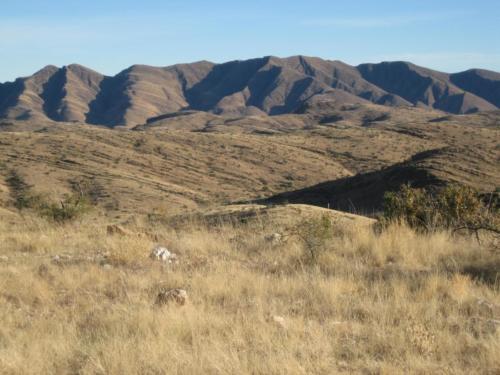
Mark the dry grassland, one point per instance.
(386, 303)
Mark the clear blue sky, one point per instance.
(110, 35)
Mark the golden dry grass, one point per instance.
(395, 302)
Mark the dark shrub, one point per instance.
(453, 207)
(68, 209)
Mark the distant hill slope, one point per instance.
(343, 158)
(465, 151)
(267, 85)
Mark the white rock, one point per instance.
(4, 258)
(161, 253)
(279, 320)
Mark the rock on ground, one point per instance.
(280, 321)
(161, 253)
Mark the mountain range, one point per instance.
(262, 86)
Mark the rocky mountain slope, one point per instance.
(263, 86)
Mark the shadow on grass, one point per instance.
(488, 273)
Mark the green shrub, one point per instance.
(460, 205)
(89, 188)
(315, 233)
(70, 208)
(453, 207)
(410, 205)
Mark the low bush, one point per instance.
(70, 208)
(453, 207)
(314, 233)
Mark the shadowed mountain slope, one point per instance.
(51, 93)
(425, 87)
(261, 86)
(483, 83)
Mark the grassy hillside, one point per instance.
(191, 160)
(271, 289)
(75, 299)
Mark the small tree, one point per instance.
(315, 233)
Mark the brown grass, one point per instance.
(396, 302)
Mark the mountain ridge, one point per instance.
(261, 86)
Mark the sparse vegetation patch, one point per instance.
(70, 207)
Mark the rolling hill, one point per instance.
(342, 156)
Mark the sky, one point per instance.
(110, 35)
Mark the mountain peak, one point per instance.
(269, 84)
(46, 71)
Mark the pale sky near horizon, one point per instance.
(110, 35)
